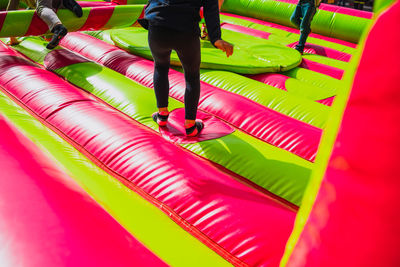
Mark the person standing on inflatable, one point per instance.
(302, 17)
(174, 25)
(46, 10)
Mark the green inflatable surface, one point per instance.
(251, 55)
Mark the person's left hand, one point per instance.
(224, 46)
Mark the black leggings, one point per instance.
(187, 45)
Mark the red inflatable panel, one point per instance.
(95, 4)
(2, 18)
(322, 68)
(243, 225)
(46, 219)
(98, 18)
(355, 219)
(245, 30)
(52, 60)
(120, 2)
(266, 124)
(327, 101)
(37, 26)
(278, 81)
(274, 79)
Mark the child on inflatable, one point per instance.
(46, 10)
(302, 17)
(174, 25)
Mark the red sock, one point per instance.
(194, 128)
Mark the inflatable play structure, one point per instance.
(296, 166)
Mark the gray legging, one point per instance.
(46, 10)
(187, 45)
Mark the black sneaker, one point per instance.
(74, 7)
(195, 129)
(59, 32)
(161, 120)
(300, 49)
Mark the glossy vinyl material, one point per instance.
(323, 69)
(316, 79)
(129, 2)
(141, 70)
(323, 51)
(315, 67)
(303, 110)
(358, 199)
(276, 80)
(95, 3)
(98, 18)
(27, 22)
(293, 106)
(294, 86)
(47, 220)
(149, 224)
(246, 30)
(175, 132)
(309, 48)
(37, 26)
(326, 61)
(330, 67)
(327, 101)
(284, 31)
(238, 152)
(252, 55)
(347, 11)
(338, 9)
(336, 25)
(241, 224)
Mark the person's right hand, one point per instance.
(14, 41)
(224, 46)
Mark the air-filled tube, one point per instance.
(327, 23)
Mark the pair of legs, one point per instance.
(341, 3)
(359, 4)
(301, 18)
(187, 45)
(46, 10)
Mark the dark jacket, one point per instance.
(183, 15)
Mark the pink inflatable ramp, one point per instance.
(201, 199)
(46, 219)
(355, 218)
